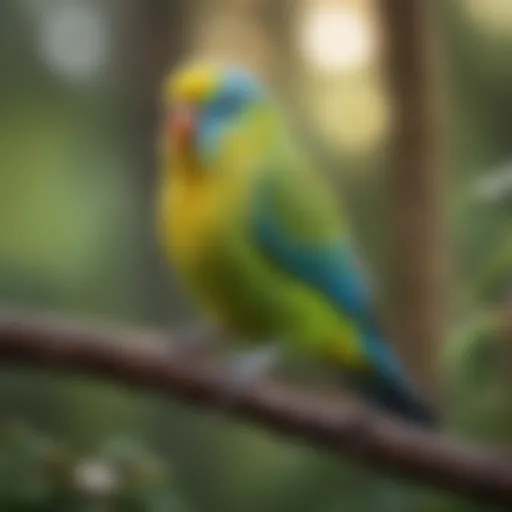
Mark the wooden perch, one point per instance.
(145, 360)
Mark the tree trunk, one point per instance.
(418, 248)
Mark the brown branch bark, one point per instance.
(145, 360)
(419, 260)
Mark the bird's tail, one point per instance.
(387, 386)
(399, 399)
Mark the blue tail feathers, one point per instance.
(395, 394)
(399, 400)
(387, 386)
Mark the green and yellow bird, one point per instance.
(256, 235)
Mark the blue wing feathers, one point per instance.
(326, 268)
(332, 270)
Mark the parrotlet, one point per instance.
(255, 233)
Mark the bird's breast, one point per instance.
(189, 220)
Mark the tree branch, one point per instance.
(144, 360)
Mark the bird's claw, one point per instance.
(245, 370)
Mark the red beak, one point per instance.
(183, 125)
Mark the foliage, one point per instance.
(38, 474)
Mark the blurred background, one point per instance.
(79, 96)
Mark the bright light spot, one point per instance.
(496, 185)
(337, 38)
(353, 116)
(74, 40)
(95, 477)
(494, 15)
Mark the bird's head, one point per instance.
(204, 102)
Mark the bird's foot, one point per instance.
(245, 370)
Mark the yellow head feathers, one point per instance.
(193, 83)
